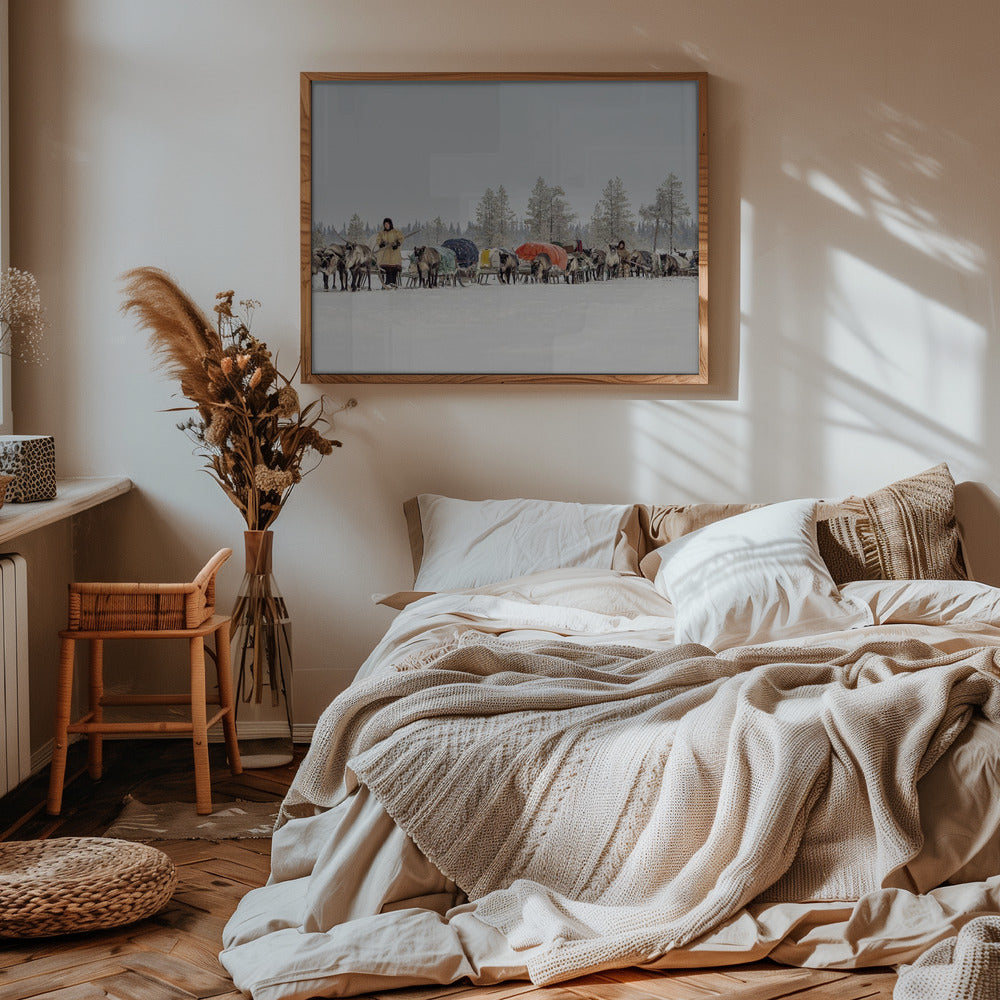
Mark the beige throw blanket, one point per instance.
(602, 806)
(965, 967)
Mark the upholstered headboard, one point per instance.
(977, 509)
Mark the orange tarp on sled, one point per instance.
(556, 254)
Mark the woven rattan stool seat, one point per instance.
(72, 884)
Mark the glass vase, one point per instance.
(262, 660)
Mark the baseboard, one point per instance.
(301, 732)
(43, 755)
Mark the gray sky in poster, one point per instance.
(418, 149)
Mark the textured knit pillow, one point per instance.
(904, 531)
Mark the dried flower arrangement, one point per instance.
(250, 426)
(22, 317)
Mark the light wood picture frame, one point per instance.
(540, 228)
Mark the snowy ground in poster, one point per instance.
(623, 326)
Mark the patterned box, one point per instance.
(31, 460)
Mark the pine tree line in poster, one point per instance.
(666, 223)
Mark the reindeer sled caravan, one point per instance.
(459, 262)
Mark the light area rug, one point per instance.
(178, 821)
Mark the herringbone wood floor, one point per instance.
(173, 956)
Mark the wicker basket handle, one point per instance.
(205, 580)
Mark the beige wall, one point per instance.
(854, 302)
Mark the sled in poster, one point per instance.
(504, 228)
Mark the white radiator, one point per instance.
(15, 743)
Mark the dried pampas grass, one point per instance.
(250, 427)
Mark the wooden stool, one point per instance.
(99, 611)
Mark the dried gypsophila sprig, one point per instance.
(258, 440)
(22, 317)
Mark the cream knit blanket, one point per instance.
(605, 805)
(966, 967)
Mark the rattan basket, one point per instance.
(101, 607)
(68, 885)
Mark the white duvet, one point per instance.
(352, 906)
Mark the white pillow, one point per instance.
(470, 543)
(752, 578)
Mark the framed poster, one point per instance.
(504, 228)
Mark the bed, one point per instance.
(601, 736)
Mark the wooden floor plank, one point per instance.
(560, 992)
(420, 993)
(668, 989)
(764, 972)
(84, 991)
(73, 975)
(130, 985)
(12, 955)
(261, 848)
(670, 984)
(241, 860)
(153, 938)
(178, 972)
(248, 878)
(115, 941)
(64, 958)
(197, 923)
(651, 987)
(188, 852)
(856, 986)
(204, 954)
(216, 898)
(774, 988)
(11, 832)
(500, 991)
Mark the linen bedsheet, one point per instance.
(605, 797)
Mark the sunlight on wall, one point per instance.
(899, 365)
(826, 186)
(688, 452)
(868, 383)
(823, 184)
(905, 135)
(919, 229)
(697, 451)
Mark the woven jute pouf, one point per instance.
(73, 884)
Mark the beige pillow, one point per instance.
(660, 524)
(904, 531)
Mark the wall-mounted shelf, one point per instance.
(72, 497)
